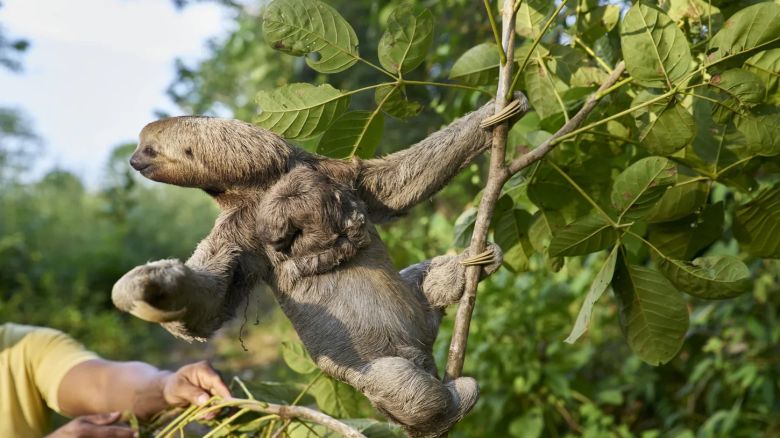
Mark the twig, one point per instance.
(496, 178)
(300, 412)
(543, 149)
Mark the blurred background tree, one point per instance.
(62, 247)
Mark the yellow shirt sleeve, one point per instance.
(33, 361)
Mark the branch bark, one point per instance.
(497, 176)
(291, 412)
(543, 149)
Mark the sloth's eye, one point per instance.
(149, 151)
(188, 152)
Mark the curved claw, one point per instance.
(512, 109)
(484, 258)
(141, 309)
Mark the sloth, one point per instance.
(304, 224)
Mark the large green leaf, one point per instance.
(478, 66)
(654, 48)
(541, 86)
(766, 65)
(301, 27)
(757, 224)
(664, 126)
(296, 357)
(597, 288)
(510, 230)
(336, 398)
(464, 228)
(595, 21)
(354, 134)
(679, 201)
(587, 234)
(736, 91)
(711, 277)
(641, 185)
(531, 17)
(396, 103)
(300, 110)
(653, 315)
(407, 39)
(755, 27)
(760, 129)
(685, 237)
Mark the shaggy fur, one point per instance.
(303, 224)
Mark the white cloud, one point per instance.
(97, 69)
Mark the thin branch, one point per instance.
(543, 149)
(497, 176)
(304, 413)
(501, 54)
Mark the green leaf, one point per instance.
(531, 17)
(665, 126)
(585, 235)
(354, 134)
(296, 357)
(737, 91)
(641, 185)
(510, 230)
(683, 238)
(335, 398)
(654, 48)
(752, 28)
(301, 27)
(478, 66)
(596, 21)
(653, 315)
(464, 227)
(396, 104)
(700, 12)
(760, 129)
(300, 110)
(711, 277)
(679, 201)
(766, 65)
(407, 39)
(597, 288)
(545, 225)
(757, 224)
(541, 86)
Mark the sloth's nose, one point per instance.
(138, 162)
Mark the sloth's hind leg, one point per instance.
(411, 396)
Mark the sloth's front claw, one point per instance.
(480, 259)
(490, 259)
(518, 106)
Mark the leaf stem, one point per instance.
(603, 64)
(733, 165)
(533, 48)
(443, 84)
(377, 68)
(501, 54)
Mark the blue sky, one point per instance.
(98, 69)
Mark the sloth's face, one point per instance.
(166, 155)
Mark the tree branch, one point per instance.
(290, 412)
(497, 176)
(543, 149)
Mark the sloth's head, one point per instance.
(209, 153)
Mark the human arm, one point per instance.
(99, 386)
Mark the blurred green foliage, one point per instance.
(62, 246)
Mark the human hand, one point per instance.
(193, 384)
(97, 426)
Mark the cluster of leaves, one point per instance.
(690, 132)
